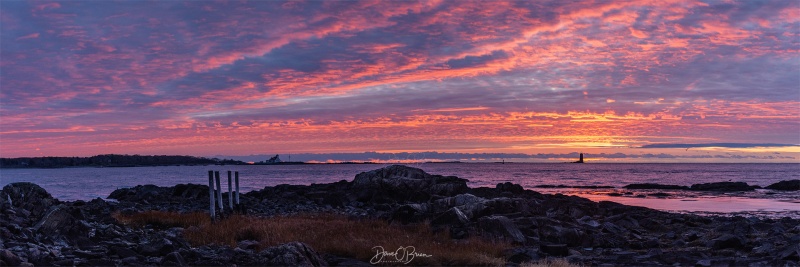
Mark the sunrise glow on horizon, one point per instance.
(703, 81)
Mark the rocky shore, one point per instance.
(36, 229)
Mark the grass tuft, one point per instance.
(332, 234)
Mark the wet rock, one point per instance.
(402, 179)
(501, 227)
(656, 186)
(723, 186)
(789, 185)
(10, 258)
(291, 254)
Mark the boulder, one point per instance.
(723, 186)
(406, 180)
(501, 227)
(59, 221)
(30, 197)
(291, 254)
(510, 187)
(789, 185)
(469, 204)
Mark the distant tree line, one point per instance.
(111, 160)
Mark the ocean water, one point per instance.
(89, 183)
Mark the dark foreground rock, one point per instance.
(50, 232)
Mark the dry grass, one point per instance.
(557, 262)
(333, 234)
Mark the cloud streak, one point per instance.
(201, 78)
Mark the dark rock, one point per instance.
(173, 259)
(403, 180)
(791, 253)
(522, 254)
(410, 213)
(723, 186)
(190, 191)
(124, 252)
(472, 206)
(30, 197)
(728, 241)
(789, 185)
(571, 236)
(510, 187)
(60, 221)
(502, 228)
(559, 250)
(291, 254)
(141, 193)
(10, 258)
(248, 244)
(655, 186)
(156, 247)
(451, 217)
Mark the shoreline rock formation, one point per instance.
(37, 229)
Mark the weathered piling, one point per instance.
(236, 174)
(230, 191)
(211, 209)
(219, 193)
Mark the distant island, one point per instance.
(112, 160)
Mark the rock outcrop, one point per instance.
(406, 183)
(40, 230)
(789, 185)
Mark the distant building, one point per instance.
(277, 159)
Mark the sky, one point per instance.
(692, 81)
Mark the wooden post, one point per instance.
(230, 191)
(219, 193)
(211, 208)
(237, 188)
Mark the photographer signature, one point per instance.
(401, 255)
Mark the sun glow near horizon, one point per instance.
(81, 78)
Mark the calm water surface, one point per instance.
(89, 183)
